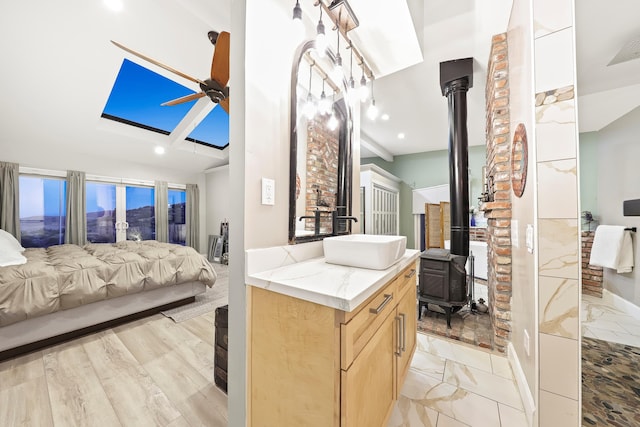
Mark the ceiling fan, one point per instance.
(214, 87)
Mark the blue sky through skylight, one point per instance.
(136, 99)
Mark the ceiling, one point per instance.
(452, 30)
(59, 66)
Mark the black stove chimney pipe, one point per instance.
(456, 78)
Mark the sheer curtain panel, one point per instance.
(76, 220)
(192, 214)
(9, 198)
(161, 202)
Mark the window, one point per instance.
(116, 212)
(42, 211)
(177, 216)
(136, 99)
(140, 218)
(101, 212)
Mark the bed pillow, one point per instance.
(10, 256)
(11, 241)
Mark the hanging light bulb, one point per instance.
(324, 106)
(310, 108)
(333, 122)
(337, 72)
(321, 38)
(351, 90)
(372, 111)
(298, 26)
(364, 89)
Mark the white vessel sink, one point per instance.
(371, 251)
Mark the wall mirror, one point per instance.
(321, 155)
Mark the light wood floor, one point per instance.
(151, 372)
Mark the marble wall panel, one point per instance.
(554, 60)
(559, 251)
(558, 307)
(562, 201)
(559, 366)
(551, 15)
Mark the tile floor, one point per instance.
(603, 319)
(451, 384)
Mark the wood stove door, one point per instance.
(434, 279)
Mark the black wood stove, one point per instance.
(443, 279)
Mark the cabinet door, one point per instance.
(368, 386)
(407, 313)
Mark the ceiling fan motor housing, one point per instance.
(214, 91)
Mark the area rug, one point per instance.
(610, 384)
(208, 301)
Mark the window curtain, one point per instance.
(9, 198)
(161, 207)
(192, 220)
(76, 219)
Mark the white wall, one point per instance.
(523, 302)
(619, 180)
(218, 202)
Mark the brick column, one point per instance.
(591, 274)
(498, 211)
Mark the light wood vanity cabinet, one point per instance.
(313, 365)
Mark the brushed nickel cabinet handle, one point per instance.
(387, 298)
(398, 352)
(403, 347)
(411, 274)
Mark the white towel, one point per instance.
(612, 248)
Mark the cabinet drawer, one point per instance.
(358, 331)
(407, 280)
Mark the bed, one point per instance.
(61, 291)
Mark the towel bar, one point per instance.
(633, 229)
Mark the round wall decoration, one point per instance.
(519, 150)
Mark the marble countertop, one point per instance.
(336, 286)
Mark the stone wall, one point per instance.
(591, 274)
(498, 210)
(478, 234)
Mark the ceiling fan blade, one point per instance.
(183, 99)
(220, 62)
(225, 104)
(159, 64)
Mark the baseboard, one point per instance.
(523, 387)
(621, 303)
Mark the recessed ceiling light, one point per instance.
(114, 5)
(401, 135)
(385, 116)
(159, 150)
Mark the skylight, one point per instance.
(136, 99)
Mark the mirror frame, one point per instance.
(345, 151)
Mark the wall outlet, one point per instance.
(526, 343)
(268, 191)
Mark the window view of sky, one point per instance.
(136, 99)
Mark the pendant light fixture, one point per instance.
(298, 27)
(321, 38)
(364, 89)
(337, 68)
(310, 108)
(352, 83)
(333, 122)
(324, 106)
(372, 111)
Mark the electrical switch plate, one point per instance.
(530, 238)
(268, 191)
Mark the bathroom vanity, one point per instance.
(329, 345)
